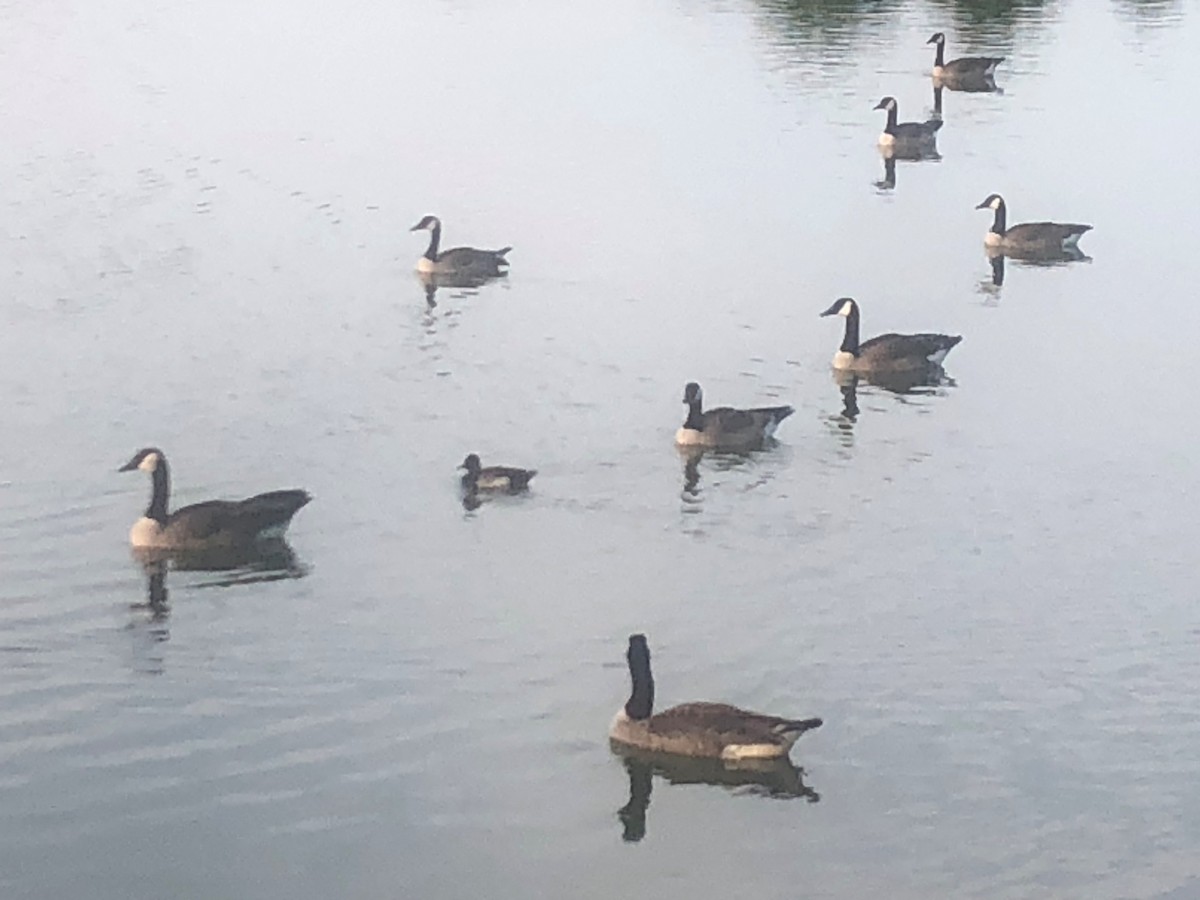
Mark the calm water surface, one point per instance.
(987, 589)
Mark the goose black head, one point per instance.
(641, 699)
(427, 224)
(888, 103)
(993, 201)
(843, 306)
(147, 459)
(472, 464)
(938, 38)
(639, 650)
(691, 394)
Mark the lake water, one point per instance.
(986, 589)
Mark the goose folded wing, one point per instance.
(727, 419)
(731, 724)
(905, 346)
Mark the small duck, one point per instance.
(462, 262)
(886, 353)
(497, 479)
(211, 524)
(712, 730)
(964, 69)
(1029, 238)
(724, 428)
(899, 134)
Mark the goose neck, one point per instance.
(890, 128)
(1000, 221)
(641, 697)
(160, 492)
(940, 60)
(850, 337)
(435, 238)
(695, 418)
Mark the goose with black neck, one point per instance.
(211, 524)
(887, 353)
(711, 730)
(458, 262)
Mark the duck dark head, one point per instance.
(938, 38)
(691, 394)
(888, 103)
(429, 223)
(993, 201)
(472, 464)
(843, 306)
(148, 459)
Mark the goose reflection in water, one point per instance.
(777, 778)
(925, 382)
(269, 560)
(1035, 257)
(468, 285)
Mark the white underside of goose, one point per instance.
(887, 140)
(146, 532)
(690, 437)
(991, 239)
(752, 751)
(426, 265)
(843, 360)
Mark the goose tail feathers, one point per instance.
(793, 728)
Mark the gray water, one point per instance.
(985, 588)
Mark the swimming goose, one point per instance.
(966, 68)
(504, 479)
(714, 730)
(900, 133)
(887, 352)
(213, 523)
(1033, 238)
(466, 262)
(724, 428)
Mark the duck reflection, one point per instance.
(778, 778)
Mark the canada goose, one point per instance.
(714, 730)
(886, 352)
(965, 69)
(724, 428)
(905, 133)
(213, 523)
(1032, 238)
(502, 479)
(465, 262)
